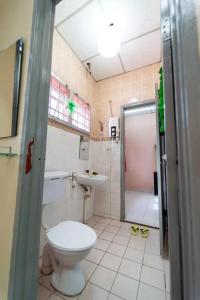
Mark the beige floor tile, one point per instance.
(131, 269)
(122, 240)
(125, 287)
(102, 244)
(45, 281)
(152, 246)
(57, 296)
(43, 293)
(126, 225)
(147, 292)
(111, 261)
(152, 250)
(66, 297)
(134, 255)
(153, 277)
(113, 229)
(116, 223)
(124, 232)
(137, 243)
(154, 232)
(94, 219)
(91, 223)
(154, 261)
(100, 226)
(88, 268)
(92, 292)
(113, 297)
(103, 278)
(95, 256)
(98, 231)
(108, 236)
(116, 249)
(105, 221)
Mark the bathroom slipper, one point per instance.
(144, 232)
(135, 229)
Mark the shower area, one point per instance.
(139, 167)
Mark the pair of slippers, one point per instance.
(135, 230)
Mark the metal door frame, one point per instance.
(160, 179)
(171, 156)
(122, 149)
(25, 247)
(186, 67)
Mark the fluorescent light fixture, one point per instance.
(140, 110)
(109, 41)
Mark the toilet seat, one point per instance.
(71, 236)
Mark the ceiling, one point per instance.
(138, 22)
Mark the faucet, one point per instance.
(73, 175)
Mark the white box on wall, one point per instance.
(113, 127)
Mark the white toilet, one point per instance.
(68, 242)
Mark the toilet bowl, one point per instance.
(69, 243)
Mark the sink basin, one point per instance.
(91, 180)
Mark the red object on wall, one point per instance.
(29, 157)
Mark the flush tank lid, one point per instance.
(54, 186)
(48, 175)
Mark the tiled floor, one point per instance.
(142, 208)
(120, 266)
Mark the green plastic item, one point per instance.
(71, 106)
(161, 103)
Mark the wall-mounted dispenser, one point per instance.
(114, 127)
(84, 149)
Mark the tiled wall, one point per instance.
(105, 159)
(67, 67)
(121, 89)
(104, 155)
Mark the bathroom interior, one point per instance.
(141, 191)
(82, 219)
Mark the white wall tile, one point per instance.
(105, 159)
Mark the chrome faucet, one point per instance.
(73, 176)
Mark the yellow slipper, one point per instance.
(135, 229)
(144, 232)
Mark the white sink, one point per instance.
(91, 180)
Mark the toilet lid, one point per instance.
(71, 236)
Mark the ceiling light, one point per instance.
(109, 41)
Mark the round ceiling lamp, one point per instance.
(109, 41)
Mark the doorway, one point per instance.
(29, 237)
(138, 164)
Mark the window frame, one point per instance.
(69, 123)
